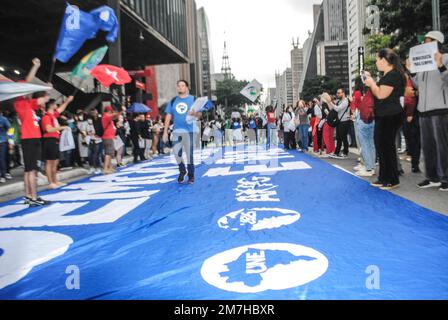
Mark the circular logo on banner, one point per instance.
(182, 108)
(258, 219)
(261, 267)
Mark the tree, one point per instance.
(374, 44)
(228, 93)
(314, 87)
(404, 20)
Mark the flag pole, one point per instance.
(53, 66)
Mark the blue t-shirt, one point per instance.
(236, 125)
(252, 124)
(179, 110)
(4, 127)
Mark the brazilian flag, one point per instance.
(90, 61)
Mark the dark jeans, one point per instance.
(342, 132)
(352, 134)
(434, 131)
(412, 134)
(95, 154)
(386, 129)
(137, 151)
(3, 154)
(290, 140)
(184, 142)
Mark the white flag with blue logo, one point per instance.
(252, 91)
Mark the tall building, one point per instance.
(356, 18)
(332, 53)
(204, 37)
(310, 47)
(296, 69)
(335, 20)
(284, 90)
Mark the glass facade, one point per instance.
(168, 17)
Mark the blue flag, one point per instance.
(79, 26)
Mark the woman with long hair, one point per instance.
(328, 131)
(388, 93)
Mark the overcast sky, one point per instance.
(258, 33)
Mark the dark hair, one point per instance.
(342, 89)
(393, 59)
(184, 81)
(359, 85)
(50, 103)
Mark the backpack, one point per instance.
(333, 119)
(366, 108)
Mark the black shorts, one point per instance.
(51, 149)
(32, 151)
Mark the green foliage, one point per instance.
(404, 20)
(314, 87)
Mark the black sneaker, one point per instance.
(191, 180)
(36, 203)
(26, 200)
(416, 170)
(428, 184)
(181, 178)
(444, 187)
(45, 202)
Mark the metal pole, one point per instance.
(115, 57)
(436, 25)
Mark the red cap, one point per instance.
(108, 109)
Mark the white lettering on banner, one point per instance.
(262, 267)
(261, 169)
(23, 250)
(258, 219)
(55, 215)
(256, 190)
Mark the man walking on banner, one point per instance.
(184, 117)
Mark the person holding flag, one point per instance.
(26, 108)
(180, 109)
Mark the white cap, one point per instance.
(436, 35)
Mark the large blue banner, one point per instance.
(256, 225)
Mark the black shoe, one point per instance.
(191, 180)
(444, 187)
(181, 178)
(26, 200)
(37, 203)
(416, 170)
(45, 202)
(428, 184)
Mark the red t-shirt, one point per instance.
(25, 109)
(50, 120)
(109, 127)
(357, 99)
(271, 117)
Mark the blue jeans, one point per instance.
(304, 129)
(367, 141)
(95, 155)
(3, 154)
(272, 135)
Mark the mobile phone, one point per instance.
(364, 76)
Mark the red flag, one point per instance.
(140, 85)
(108, 75)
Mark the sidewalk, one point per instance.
(13, 188)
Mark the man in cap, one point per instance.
(433, 109)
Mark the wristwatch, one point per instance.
(443, 68)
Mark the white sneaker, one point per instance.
(359, 167)
(365, 173)
(8, 176)
(98, 171)
(2, 180)
(324, 156)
